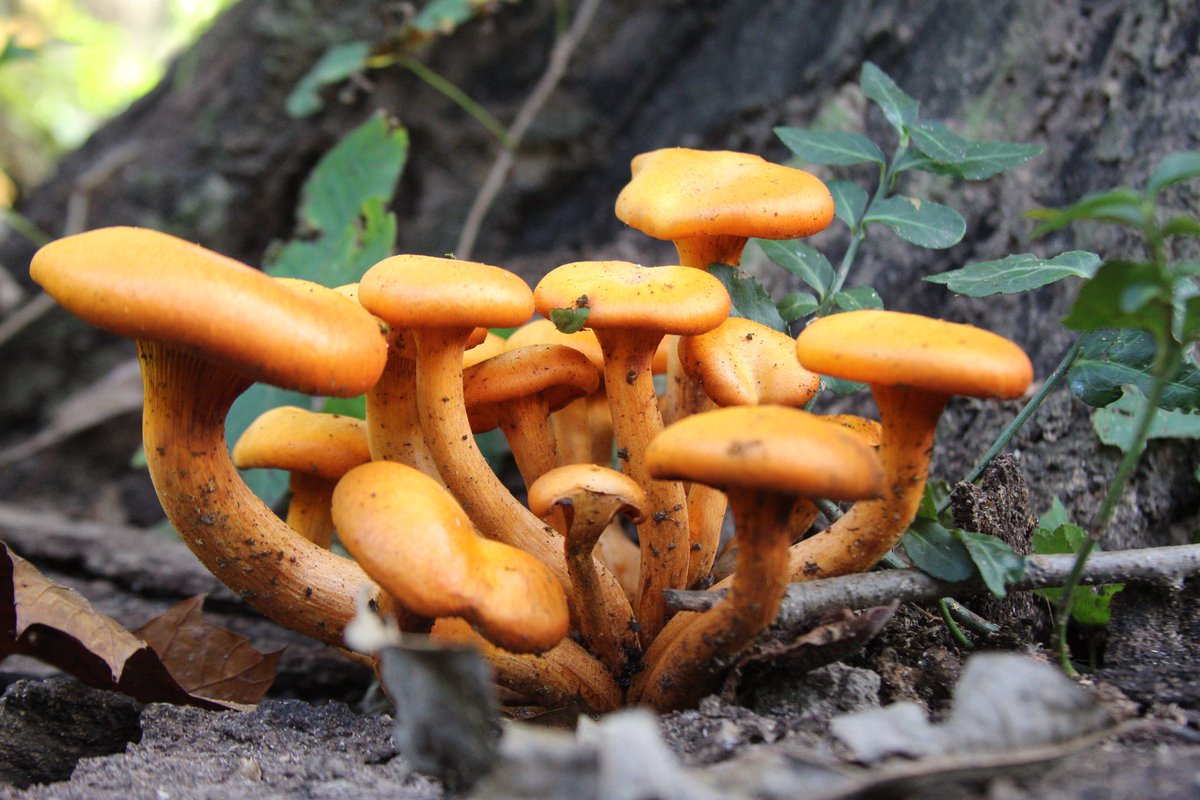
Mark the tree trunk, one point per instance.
(1108, 87)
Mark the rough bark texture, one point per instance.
(1107, 86)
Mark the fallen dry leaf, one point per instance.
(54, 624)
(207, 660)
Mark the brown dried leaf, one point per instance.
(207, 660)
(54, 624)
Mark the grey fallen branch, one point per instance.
(1164, 566)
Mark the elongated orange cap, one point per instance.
(891, 348)
(619, 294)
(424, 291)
(745, 363)
(771, 448)
(308, 442)
(557, 372)
(868, 430)
(412, 537)
(677, 193)
(151, 286)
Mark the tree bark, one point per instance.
(1107, 86)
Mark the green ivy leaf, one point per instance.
(919, 222)
(857, 298)
(748, 297)
(935, 493)
(443, 16)
(941, 144)
(570, 320)
(899, 108)
(1110, 359)
(1017, 273)
(934, 549)
(1122, 294)
(1053, 517)
(982, 160)
(830, 148)
(1175, 168)
(346, 406)
(998, 565)
(797, 306)
(343, 208)
(849, 201)
(1115, 423)
(1121, 206)
(840, 387)
(1182, 226)
(336, 65)
(805, 262)
(1089, 604)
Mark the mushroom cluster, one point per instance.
(548, 584)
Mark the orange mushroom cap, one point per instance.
(411, 291)
(414, 539)
(152, 286)
(543, 331)
(561, 485)
(670, 299)
(772, 448)
(891, 348)
(743, 362)
(558, 372)
(677, 193)
(308, 442)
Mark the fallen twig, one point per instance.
(560, 57)
(1166, 566)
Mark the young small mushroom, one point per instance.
(709, 203)
(590, 497)
(582, 428)
(631, 308)
(207, 327)
(913, 365)
(517, 390)
(413, 538)
(765, 458)
(316, 450)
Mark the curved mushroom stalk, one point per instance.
(563, 676)
(765, 458)
(590, 497)
(440, 301)
(914, 365)
(631, 309)
(206, 328)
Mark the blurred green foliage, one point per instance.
(77, 64)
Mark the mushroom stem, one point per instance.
(700, 251)
(393, 420)
(492, 508)
(871, 528)
(609, 631)
(526, 425)
(572, 432)
(706, 517)
(628, 381)
(288, 578)
(564, 675)
(308, 511)
(689, 664)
